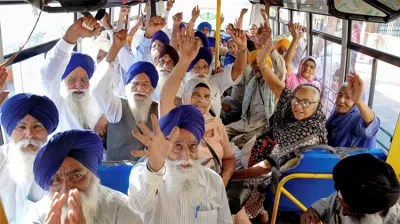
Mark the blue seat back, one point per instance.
(115, 175)
(308, 191)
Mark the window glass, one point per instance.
(284, 14)
(300, 17)
(17, 21)
(327, 24)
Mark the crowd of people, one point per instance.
(155, 97)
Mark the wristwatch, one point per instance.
(242, 51)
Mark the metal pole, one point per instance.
(278, 21)
(343, 51)
(373, 82)
(309, 34)
(217, 34)
(348, 51)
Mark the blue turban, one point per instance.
(204, 53)
(79, 60)
(142, 67)
(187, 117)
(211, 41)
(161, 36)
(82, 145)
(40, 107)
(181, 26)
(204, 24)
(202, 37)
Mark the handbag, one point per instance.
(238, 192)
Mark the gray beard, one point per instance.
(82, 108)
(139, 108)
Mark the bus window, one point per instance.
(327, 24)
(300, 17)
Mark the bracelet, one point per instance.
(161, 172)
(242, 51)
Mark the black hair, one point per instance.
(202, 85)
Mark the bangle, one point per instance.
(242, 51)
(161, 172)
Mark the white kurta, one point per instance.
(112, 208)
(147, 195)
(51, 73)
(16, 199)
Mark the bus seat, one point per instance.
(316, 161)
(394, 154)
(115, 175)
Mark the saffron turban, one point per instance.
(211, 41)
(204, 24)
(187, 117)
(204, 53)
(367, 184)
(203, 38)
(40, 107)
(79, 60)
(82, 145)
(166, 49)
(253, 56)
(161, 36)
(142, 67)
(283, 43)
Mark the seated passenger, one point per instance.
(252, 33)
(204, 40)
(282, 46)
(102, 46)
(122, 114)
(353, 123)
(27, 119)
(153, 37)
(159, 39)
(66, 168)
(230, 57)
(367, 193)
(200, 68)
(298, 120)
(172, 186)
(165, 59)
(205, 28)
(198, 92)
(65, 80)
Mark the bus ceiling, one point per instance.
(378, 11)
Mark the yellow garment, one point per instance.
(283, 43)
(129, 40)
(253, 56)
(3, 218)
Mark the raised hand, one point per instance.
(195, 13)
(170, 4)
(156, 23)
(355, 89)
(158, 146)
(178, 18)
(222, 19)
(3, 79)
(296, 30)
(76, 30)
(75, 213)
(119, 39)
(54, 215)
(310, 217)
(239, 37)
(243, 12)
(238, 23)
(265, 41)
(106, 21)
(188, 45)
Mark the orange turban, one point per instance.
(253, 56)
(283, 43)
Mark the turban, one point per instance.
(102, 44)
(367, 184)
(82, 145)
(166, 49)
(161, 36)
(211, 41)
(283, 43)
(204, 24)
(204, 53)
(253, 57)
(187, 117)
(79, 60)
(40, 107)
(202, 37)
(142, 67)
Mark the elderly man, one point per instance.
(205, 28)
(66, 167)
(367, 193)
(200, 68)
(165, 59)
(122, 114)
(65, 80)
(172, 186)
(28, 120)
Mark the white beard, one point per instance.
(180, 180)
(138, 106)
(21, 160)
(82, 107)
(190, 75)
(89, 202)
(162, 77)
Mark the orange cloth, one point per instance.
(129, 40)
(3, 218)
(283, 43)
(253, 56)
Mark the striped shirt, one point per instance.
(206, 203)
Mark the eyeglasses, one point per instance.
(303, 103)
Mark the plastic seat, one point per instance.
(115, 175)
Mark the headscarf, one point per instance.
(102, 44)
(160, 36)
(82, 145)
(229, 59)
(342, 129)
(79, 60)
(368, 185)
(166, 49)
(253, 56)
(283, 43)
(40, 107)
(294, 80)
(187, 117)
(204, 53)
(204, 24)
(287, 130)
(188, 88)
(211, 41)
(142, 67)
(203, 38)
